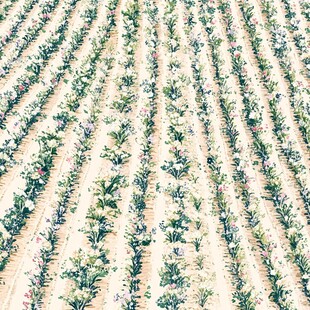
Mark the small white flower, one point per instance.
(232, 245)
(51, 143)
(177, 166)
(236, 155)
(252, 115)
(98, 263)
(272, 272)
(29, 204)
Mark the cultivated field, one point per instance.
(154, 154)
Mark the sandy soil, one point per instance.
(216, 273)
